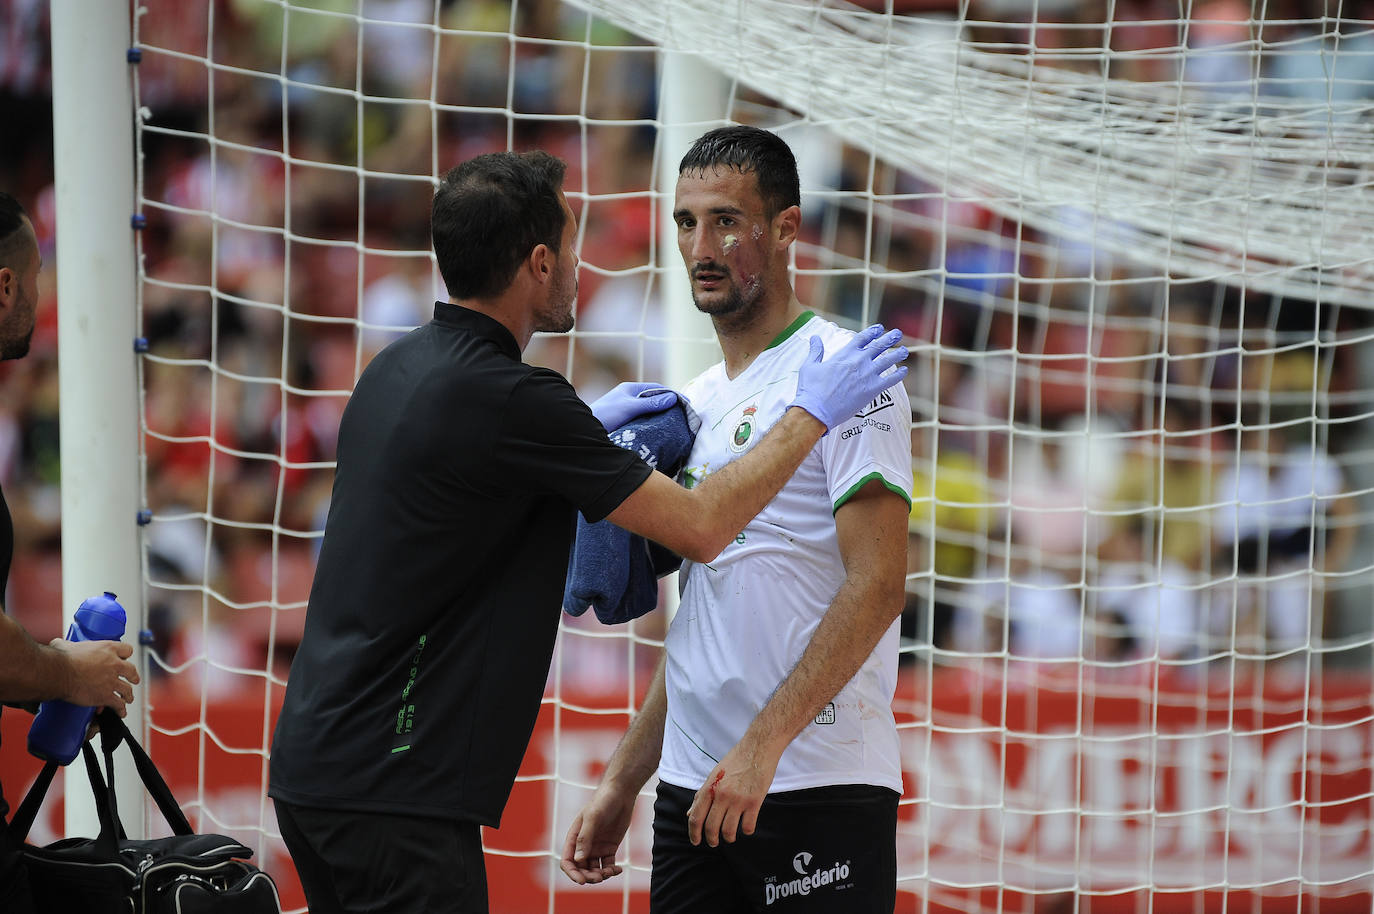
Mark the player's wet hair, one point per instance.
(489, 213)
(749, 149)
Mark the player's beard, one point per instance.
(17, 332)
(735, 307)
(557, 314)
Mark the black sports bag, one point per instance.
(185, 873)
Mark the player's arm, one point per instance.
(596, 833)
(872, 536)
(88, 673)
(698, 523)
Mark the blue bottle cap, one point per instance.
(102, 617)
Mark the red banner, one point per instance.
(1021, 791)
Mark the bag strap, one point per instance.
(107, 745)
(113, 731)
(24, 816)
(111, 830)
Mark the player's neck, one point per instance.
(741, 340)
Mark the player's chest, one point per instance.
(735, 417)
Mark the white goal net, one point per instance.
(1131, 244)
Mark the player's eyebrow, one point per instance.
(723, 210)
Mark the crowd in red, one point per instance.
(1065, 433)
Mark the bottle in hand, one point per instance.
(60, 727)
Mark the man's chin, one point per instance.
(14, 349)
(556, 326)
(717, 304)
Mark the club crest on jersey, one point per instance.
(744, 431)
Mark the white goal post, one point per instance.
(93, 149)
(1131, 244)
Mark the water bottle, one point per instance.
(60, 727)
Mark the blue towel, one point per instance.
(612, 570)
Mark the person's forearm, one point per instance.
(699, 523)
(730, 497)
(636, 757)
(30, 671)
(851, 628)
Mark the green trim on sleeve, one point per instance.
(865, 481)
(791, 329)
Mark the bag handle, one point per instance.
(111, 829)
(114, 731)
(24, 816)
(27, 813)
(113, 796)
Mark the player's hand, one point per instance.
(100, 674)
(836, 388)
(595, 836)
(728, 803)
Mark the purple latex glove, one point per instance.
(630, 400)
(837, 388)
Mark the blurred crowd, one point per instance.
(1108, 465)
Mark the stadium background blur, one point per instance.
(1112, 515)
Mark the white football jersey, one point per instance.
(746, 618)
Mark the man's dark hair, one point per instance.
(489, 213)
(13, 241)
(749, 149)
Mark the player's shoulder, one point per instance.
(832, 335)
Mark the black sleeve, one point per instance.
(551, 440)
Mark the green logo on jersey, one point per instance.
(744, 431)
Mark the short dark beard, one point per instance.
(733, 304)
(734, 311)
(12, 345)
(15, 348)
(734, 314)
(544, 321)
(550, 327)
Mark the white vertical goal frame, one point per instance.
(1137, 245)
(93, 148)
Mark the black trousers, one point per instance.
(354, 862)
(826, 849)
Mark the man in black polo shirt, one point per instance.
(435, 605)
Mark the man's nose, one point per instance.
(702, 250)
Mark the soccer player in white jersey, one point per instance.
(769, 721)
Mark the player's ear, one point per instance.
(540, 263)
(9, 286)
(787, 224)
